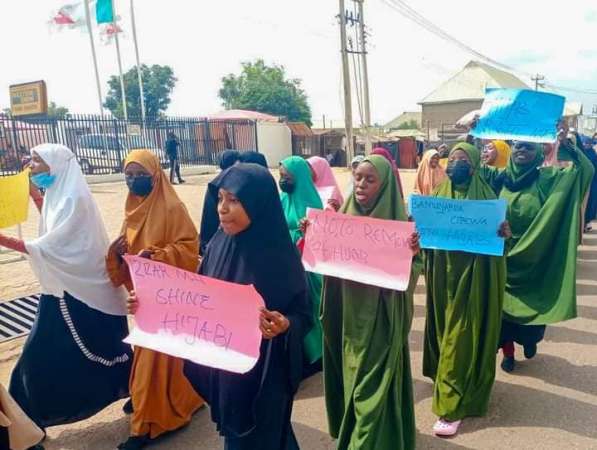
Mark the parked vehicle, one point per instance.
(107, 152)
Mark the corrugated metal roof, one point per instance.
(406, 116)
(238, 114)
(299, 129)
(470, 84)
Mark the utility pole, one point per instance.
(347, 93)
(538, 81)
(366, 102)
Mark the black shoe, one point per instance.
(36, 447)
(127, 408)
(508, 364)
(135, 443)
(530, 351)
(181, 181)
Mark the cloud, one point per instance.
(591, 16)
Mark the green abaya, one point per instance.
(465, 294)
(367, 376)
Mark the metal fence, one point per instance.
(102, 143)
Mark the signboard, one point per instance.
(14, 199)
(28, 99)
(520, 115)
(133, 129)
(207, 321)
(362, 249)
(462, 225)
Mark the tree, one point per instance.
(158, 84)
(265, 89)
(408, 125)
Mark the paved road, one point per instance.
(549, 403)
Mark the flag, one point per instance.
(109, 31)
(104, 12)
(71, 15)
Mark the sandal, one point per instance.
(444, 428)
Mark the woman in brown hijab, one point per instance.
(156, 226)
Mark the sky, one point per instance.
(206, 40)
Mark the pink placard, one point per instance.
(207, 321)
(362, 249)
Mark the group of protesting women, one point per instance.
(252, 234)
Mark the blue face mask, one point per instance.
(43, 180)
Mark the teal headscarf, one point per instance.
(304, 195)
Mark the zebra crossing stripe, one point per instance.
(17, 317)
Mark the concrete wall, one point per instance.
(448, 113)
(274, 141)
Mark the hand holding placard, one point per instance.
(14, 199)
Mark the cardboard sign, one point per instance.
(14, 199)
(362, 249)
(519, 114)
(464, 225)
(207, 321)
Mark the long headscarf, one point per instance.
(228, 158)
(304, 195)
(324, 178)
(68, 256)
(477, 188)
(503, 154)
(387, 155)
(160, 222)
(388, 204)
(516, 177)
(428, 178)
(253, 158)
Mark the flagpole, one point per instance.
(94, 55)
(117, 42)
(134, 27)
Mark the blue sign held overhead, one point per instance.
(465, 225)
(520, 115)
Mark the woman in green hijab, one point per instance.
(367, 377)
(465, 292)
(544, 205)
(298, 194)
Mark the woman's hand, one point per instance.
(414, 243)
(120, 246)
(334, 203)
(145, 254)
(272, 324)
(504, 230)
(303, 225)
(132, 304)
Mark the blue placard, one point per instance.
(465, 225)
(520, 115)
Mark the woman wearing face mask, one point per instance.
(252, 411)
(465, 292)
(156, 226)
(298, 194)
(367, 377)
(73, 363)
(543, 211)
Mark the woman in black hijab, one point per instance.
(253, 246)
(209, 218)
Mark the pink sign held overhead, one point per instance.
(207, 321)
(362, 249)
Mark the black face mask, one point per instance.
(459, 171)
(286, 185)
(140, 186)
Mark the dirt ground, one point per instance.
(550, 402)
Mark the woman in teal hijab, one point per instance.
(465, 292)
(544, 211)
(367, 376)
(298, 194)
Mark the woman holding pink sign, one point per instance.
(367, 376)
(252, 246)
(325, 182)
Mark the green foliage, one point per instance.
(408, 125)
(158, 84)
(266, 89)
